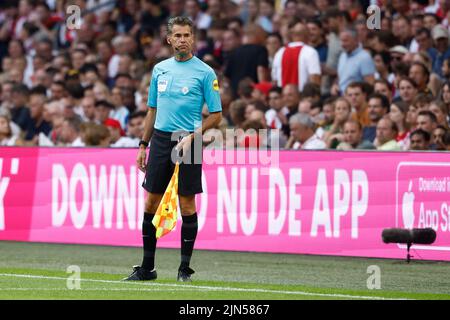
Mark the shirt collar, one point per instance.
(312, 138)
(296, 44)
(356, 51)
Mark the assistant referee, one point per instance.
(178, 90)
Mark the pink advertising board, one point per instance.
(323, 202)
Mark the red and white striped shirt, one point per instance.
(294, 64)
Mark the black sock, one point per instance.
(189, 230)
(149, 240)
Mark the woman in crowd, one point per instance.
(397, 114)
(6, 136)
(342, 112)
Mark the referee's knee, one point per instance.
(152, 202)
(187, 205)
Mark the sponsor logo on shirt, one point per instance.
(216, 85)
(162, 85)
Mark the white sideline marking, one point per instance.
(186, 286)
(91, 289)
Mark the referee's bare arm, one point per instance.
(211, 121)
(149, 124)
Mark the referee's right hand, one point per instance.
(142, 154)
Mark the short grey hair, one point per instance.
(303, 119)
(351, 31)
(181, 21)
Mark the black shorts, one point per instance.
(160, 166)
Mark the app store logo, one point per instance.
(408, 207)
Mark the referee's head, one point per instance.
(180, 35)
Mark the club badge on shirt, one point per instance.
(185, 90)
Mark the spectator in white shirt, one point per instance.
(303, 133)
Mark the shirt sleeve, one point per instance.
(153, 91)
(263, 57)
(211, 92)
(313, 62)
(367, 66)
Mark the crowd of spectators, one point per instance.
(312, 73)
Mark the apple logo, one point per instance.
(408, 208)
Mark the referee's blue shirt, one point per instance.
(178, 90)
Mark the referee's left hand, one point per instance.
(142, 154)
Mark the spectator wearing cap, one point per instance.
(303, 134)
(261, 91)
(440, 38)
(117, 135)
(355, 64)
(297, 63)
(399, 67)
(386, 135)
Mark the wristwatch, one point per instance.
(145, 143)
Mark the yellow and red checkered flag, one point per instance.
(167, 213)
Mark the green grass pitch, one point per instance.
(39, 271)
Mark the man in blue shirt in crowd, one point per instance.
(179, 87)
(355, 64)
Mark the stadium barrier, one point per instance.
(317, 202)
